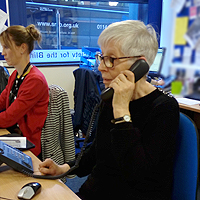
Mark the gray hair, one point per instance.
(134, 38)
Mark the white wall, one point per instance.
(167, 34)
(62, 76)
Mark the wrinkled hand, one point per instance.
(123, 85)
(51, 168)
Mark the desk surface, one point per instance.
(194, 108)
(189, 104)
(12, 181)
(4, 131)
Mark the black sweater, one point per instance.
(133, 160)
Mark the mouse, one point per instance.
(29, 190)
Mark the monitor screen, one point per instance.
(157, 64)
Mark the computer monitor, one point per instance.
(156, 67)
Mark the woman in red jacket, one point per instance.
(25, 98)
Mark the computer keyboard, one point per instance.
(15, 158)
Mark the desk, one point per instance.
(193, 111)
(11, 182)
(195, 108)
(4, 131)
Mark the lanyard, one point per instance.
(16, 85)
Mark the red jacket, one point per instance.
(30, 108)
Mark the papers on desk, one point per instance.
(17, 142)
(187, 101)
(3, 18)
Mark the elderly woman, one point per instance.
(132, 154)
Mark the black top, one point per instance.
(133, 160)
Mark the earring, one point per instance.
(21, 53)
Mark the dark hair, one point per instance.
(20, 34)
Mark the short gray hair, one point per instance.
(134, 38)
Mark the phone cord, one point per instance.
(89, 130)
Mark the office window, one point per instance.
(67, 26)
(80, 22)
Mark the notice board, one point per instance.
(187, 32)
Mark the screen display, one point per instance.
(157, 64)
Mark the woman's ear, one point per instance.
(142, 58)
(23, 48)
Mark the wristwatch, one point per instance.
(125, 118)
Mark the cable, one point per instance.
(92, 120)
(5, 198)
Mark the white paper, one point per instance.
(1, 30)
(197, 2)
(187, 53)
(197, 58)
(177, 53)
(3, 18)
(192, 35)
(187, 101)
(177, 5)
(188, 4)
(17, 142)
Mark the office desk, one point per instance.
(193, 111)
(4, 131)
(12, 181)
(195, 108)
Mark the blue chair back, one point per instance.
(185, 183)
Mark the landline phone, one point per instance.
(139, 68)
(15, 159)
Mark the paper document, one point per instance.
(3, 18)
(177, 5)
(193, 33)
(187, 101)
(187, 55)
(180, 30)
(17, 142)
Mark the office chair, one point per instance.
(86, 95)
(4, 75)
(57, 137)
(185, 183)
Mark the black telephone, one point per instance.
(139, 68)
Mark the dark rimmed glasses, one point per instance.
(109, 61)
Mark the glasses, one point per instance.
(109, 61)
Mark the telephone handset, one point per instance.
(139, 68)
